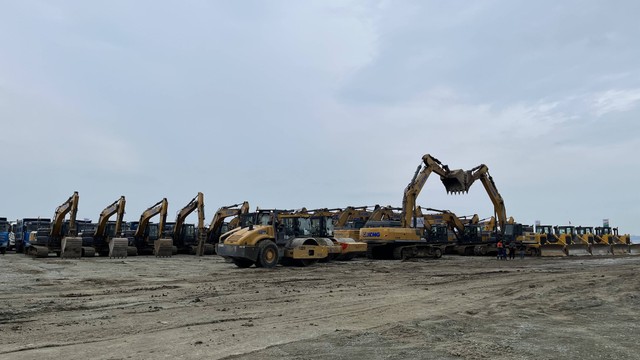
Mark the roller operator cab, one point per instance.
(269, 237)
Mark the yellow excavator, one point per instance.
(348, 222)
(606, 235)
(149, 239)
(408, 240)
(106, 239)
(63, 242)
(276, 236)
(206, 244)
(185, 236)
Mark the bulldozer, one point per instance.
(597, 247)
(574, 245)
(605, 235)
(634, 249)
(149, 239)
(63, 242)
(269, 237)
(551, 245)
(104, 238)
(206, 244)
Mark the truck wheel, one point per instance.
(242, 263)
(437, 253)
(267, 254)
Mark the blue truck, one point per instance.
(24, 227)
(5, 230)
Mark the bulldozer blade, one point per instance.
(456, 181)
(71, 247)
(601, 250)
(163, 247)
(578, 250)
(620, 249)
(552, 250)
(118, 247)
(634, 249)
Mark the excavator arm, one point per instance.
(158, 208)
(223, 213)
(195, 203)
(69, 206)
(116, 207)
(482, 173)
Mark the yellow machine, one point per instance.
(551, 245)
(186, 236)
(342, 248)
(348, 222)
(605, 235)
(597, 246)
(277, 236)
(574, 245)
(147, 242)
(408, 240)
(105, 240)
(62, 242)
(633, 249)
(206, 246)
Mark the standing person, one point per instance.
(512, 250)
(522, 250)
(500, 247)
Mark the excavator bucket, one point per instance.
(71, 247)
(578, 250)
(163, 247)
(601, 250)
(552, 250)
(456, 181)
(634, 249)
(118, 247)
(620, 249)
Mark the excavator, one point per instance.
(278, 236)
(185, 236)
(206, 244)
(348, 222)
(573, 245)
(148, 241)
(105, 239)
(605, 235)
(597, 246)
(408, 240)
(57, 239)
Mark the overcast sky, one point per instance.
(321, 104)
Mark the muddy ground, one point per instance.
(194, 308)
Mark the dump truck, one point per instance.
(23, 229)
(269, 237)
(59, 239)
(148, 238)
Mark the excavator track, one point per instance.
(163, 247)
(71, 247)
(38, 251)
(88, 251)
(118, 248)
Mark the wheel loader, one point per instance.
(59, 239)
(574, 246)
(269, 237)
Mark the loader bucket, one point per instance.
(163, 247)
(601, 250)
(578, 250)
(620, 249)
(456, 181)
(552, 250)
(118, 247)
(634, 249)
(71, 247)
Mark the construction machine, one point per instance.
(268, 237)
(149, 239)
(597, 246)
(606, 235)
(5, 230)
(186, 236)
(348, 222)
(574, 246)
(409, 240)
(59, 239)
(551, 245)
(634, 249)
(340, 248)
(206, 244)
(105, 238)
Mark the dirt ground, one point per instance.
(187, 307)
